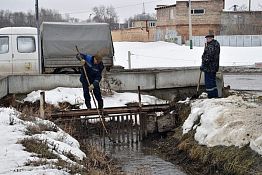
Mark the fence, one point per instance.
(231, 40)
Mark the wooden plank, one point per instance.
(115, 110)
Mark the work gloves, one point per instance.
(80, 58)
(82, 62)
(91, 87)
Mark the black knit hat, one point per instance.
(210, 36)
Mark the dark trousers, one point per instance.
(210, 83)
(97, 94)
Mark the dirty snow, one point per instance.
(164, 54)
(226, 121)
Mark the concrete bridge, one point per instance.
(165, 83)
(152, 81)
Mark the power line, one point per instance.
(119, 7)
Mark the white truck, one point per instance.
(19, 47)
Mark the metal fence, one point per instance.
(231, 40)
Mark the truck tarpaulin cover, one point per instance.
(59, 39)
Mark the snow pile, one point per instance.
(12, 154)
(164, 54)
(75, 95)
(226, 121)
(70, 95)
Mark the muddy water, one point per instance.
(138, 158)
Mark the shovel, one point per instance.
(197, 91)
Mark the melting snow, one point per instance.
(226, 121)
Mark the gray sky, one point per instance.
(82, 8)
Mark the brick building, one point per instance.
(208, 16)
(172, 20)
(141, 29)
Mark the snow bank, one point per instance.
(12, 155)
(164, 54)
(60, 94)
(226, 121)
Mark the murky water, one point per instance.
(139, 159)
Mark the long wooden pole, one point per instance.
(92, 94)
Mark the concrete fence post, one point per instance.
(129, 60)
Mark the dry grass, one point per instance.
(43, 152)
(26, 117)
(68, 127)
(38, 128)
(38, 147)
(38, 162)
(97, 162)
(58, 164)
(219, 159)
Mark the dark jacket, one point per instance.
(94, 71)
(210, 57)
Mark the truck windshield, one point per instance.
(4, 47)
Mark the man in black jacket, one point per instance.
(210, 65)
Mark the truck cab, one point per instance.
(18, 50)
(19, 47)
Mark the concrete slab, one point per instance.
(28, 83)
(129, 81)
(179, 78)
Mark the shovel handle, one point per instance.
(199, 81)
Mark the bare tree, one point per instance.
(139, 17)
(8, 18)
(105, 14)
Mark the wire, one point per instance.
(119, 7)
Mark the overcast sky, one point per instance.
(82, 8)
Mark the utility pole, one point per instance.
(143, 10)
(249, 6)
(190, 24)
(38, 36)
